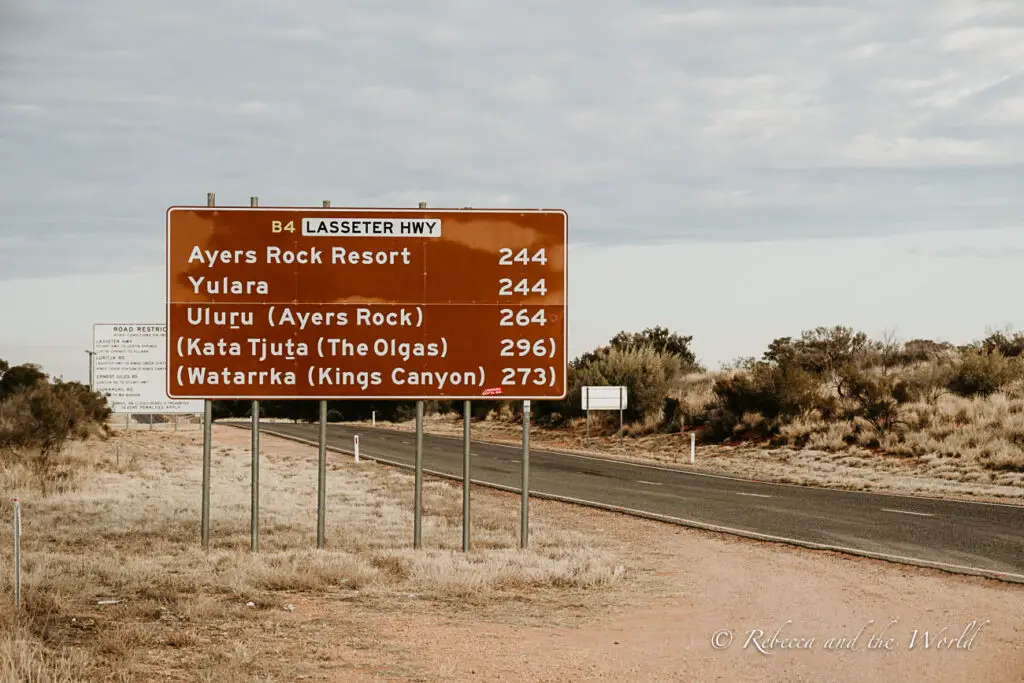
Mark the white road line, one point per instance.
(908, 512)
(652, 483)
(756, 495)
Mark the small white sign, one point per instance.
(604, 398)
(130, 368)
(371, 227)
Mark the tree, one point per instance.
(661, 340)
(23, 376)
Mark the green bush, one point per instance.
(1011, 346)
(983, 374)
(874, 397)
(18, 377)
(661, 340)
(647, 374)
(672, 421)
(41, 418)
(770, 389)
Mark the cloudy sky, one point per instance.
(734, 170)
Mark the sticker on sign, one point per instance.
(372, 227)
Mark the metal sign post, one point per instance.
(586, 403)
(207, 446)
(254, 513)
(524, 515)
(321, 490)
(417, 521)
(621, 410)
(465, 476)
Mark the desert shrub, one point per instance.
(923, 350)
(770, 389)
(874, 397)
(982, 374)
(696, 395)
(647, 374)
(40, 418)
(35, 424)
(334, 415)
(264, 410)
(776, 392)
(14, 379)
(672, 415)
(661, 340)
(823, 351)
(925, 383)
(1005, 344)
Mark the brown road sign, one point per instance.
(318, 303)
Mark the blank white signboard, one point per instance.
(604, 398)
(129, 368)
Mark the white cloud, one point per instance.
(872, 150)
(1007, 112)
(532, 89)
(749, 119)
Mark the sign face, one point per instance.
(336, 303)
(604, 398)
(130, 369)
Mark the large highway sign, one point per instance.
(319, 303)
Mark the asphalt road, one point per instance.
(967, 537)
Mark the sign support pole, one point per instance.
(207, 444)
(524, 513)
(254, 514)
(321, 491)
(92, 377)
(417, 520)
(620, 415)
(586, 390)
(465, 476)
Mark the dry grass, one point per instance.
(132, 534)
(696, 390)
(973, 437)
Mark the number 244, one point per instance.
(522, 256)
(522, 287)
